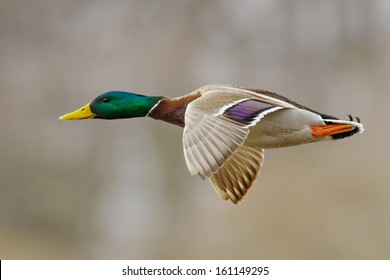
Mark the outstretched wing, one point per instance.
(214, 140)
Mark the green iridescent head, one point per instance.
(115, 105)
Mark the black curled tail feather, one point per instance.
(357, 124)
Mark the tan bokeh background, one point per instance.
(121, 190)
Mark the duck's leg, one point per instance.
(330, 129)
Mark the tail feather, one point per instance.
(355, 127)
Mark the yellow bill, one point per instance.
(80, 114)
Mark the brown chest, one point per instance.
(173, 110)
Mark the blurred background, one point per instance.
(121, 189)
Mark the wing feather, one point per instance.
(223, 138)
(214, 138)
(236, 176)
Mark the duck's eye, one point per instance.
(105, 99)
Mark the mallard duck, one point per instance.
(226, 128)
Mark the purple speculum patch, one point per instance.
(247, 110)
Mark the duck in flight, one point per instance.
(226, 128)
